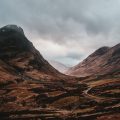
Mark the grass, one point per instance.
(66, 101)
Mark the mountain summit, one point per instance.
(11, 28)
(13, 41)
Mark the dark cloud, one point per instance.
(83, 25)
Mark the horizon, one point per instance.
(67, 34)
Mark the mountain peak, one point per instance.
(11, 28)
(13, 41)
(101, 51)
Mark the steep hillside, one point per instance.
(19, 53)
(103, 61)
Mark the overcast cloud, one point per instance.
(65, 30)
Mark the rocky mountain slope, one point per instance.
(105, 60)
(31, 89)
(59, 66)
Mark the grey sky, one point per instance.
(65, 30)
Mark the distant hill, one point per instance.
(59, 66)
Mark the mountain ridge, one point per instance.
(102, 61)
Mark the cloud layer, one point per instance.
(65, 30)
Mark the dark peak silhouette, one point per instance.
(10, 29)
(13, 39)
(18, 51)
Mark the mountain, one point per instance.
(58, 66)
(19, 53)
(105, 60)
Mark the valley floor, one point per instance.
(72, 99)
